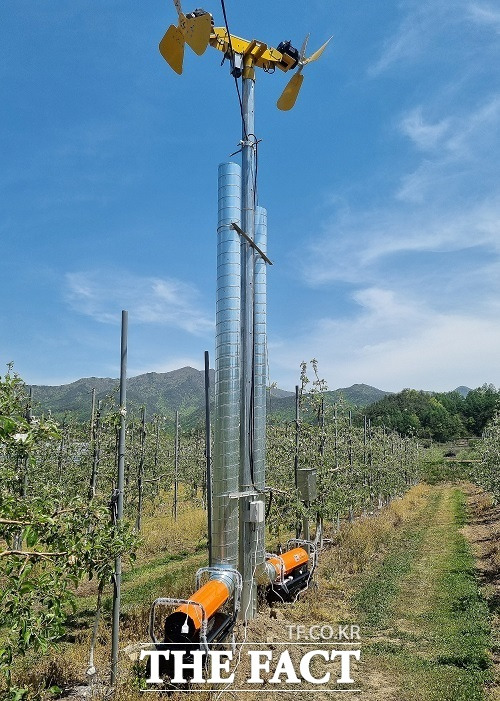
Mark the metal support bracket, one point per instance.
(252, 243)
(281, 577)
(241, 495)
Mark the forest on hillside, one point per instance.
(440, 416)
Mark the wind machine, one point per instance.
(227, 590)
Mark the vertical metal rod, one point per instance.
(365, 472)
(351, 462)
(92, 443)
(61, 449)
(96, 454)
(351, 457)
(23, 487)
(29, 416)
(322, 427)
(176, 463)
(297, 436)
(336, 443)
(140, 471)
(296, 455)
(248, 197)
(157, 446)
(118, 498)
(92, 414)
(208, 455)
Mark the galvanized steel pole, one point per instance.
(140, 471)
(296, 455)
(176, 464)
(117, 499)
(248, 197)
(260, 375)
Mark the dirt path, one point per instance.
(483, 534)
(432, 639)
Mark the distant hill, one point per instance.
(280, 393)
(357, 395)
(464, 391)
(165, 393)
(360, 395)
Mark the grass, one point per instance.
(426, 594)
(405, 573)
(380, 588)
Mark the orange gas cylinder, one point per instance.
(289, 560)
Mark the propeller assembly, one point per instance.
(193, 29)
(291, 91)
(197, 30)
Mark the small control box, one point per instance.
(256, 511)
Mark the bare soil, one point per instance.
(483, 534)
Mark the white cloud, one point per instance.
(426, 136)
(485, 15)
(414, 36)
(169, 302)
(449, 202)
(424, 260)
(461, 147)
(392, 345)
(406, 43)
(355, 245)
(475, 130)
(434, 32)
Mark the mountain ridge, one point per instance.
(165, 393)
(182, 390)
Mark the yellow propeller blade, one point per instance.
(289, 94)
(317, 54)
(172, 48)
(196, 31)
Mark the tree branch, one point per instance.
(32, 553)
(11, 522)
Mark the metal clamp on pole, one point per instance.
(287, 574)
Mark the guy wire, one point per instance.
(232, 65)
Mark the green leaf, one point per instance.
(31, 536)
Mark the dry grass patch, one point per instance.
(357, 544)
(162, 533)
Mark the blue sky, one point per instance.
(382, 187)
